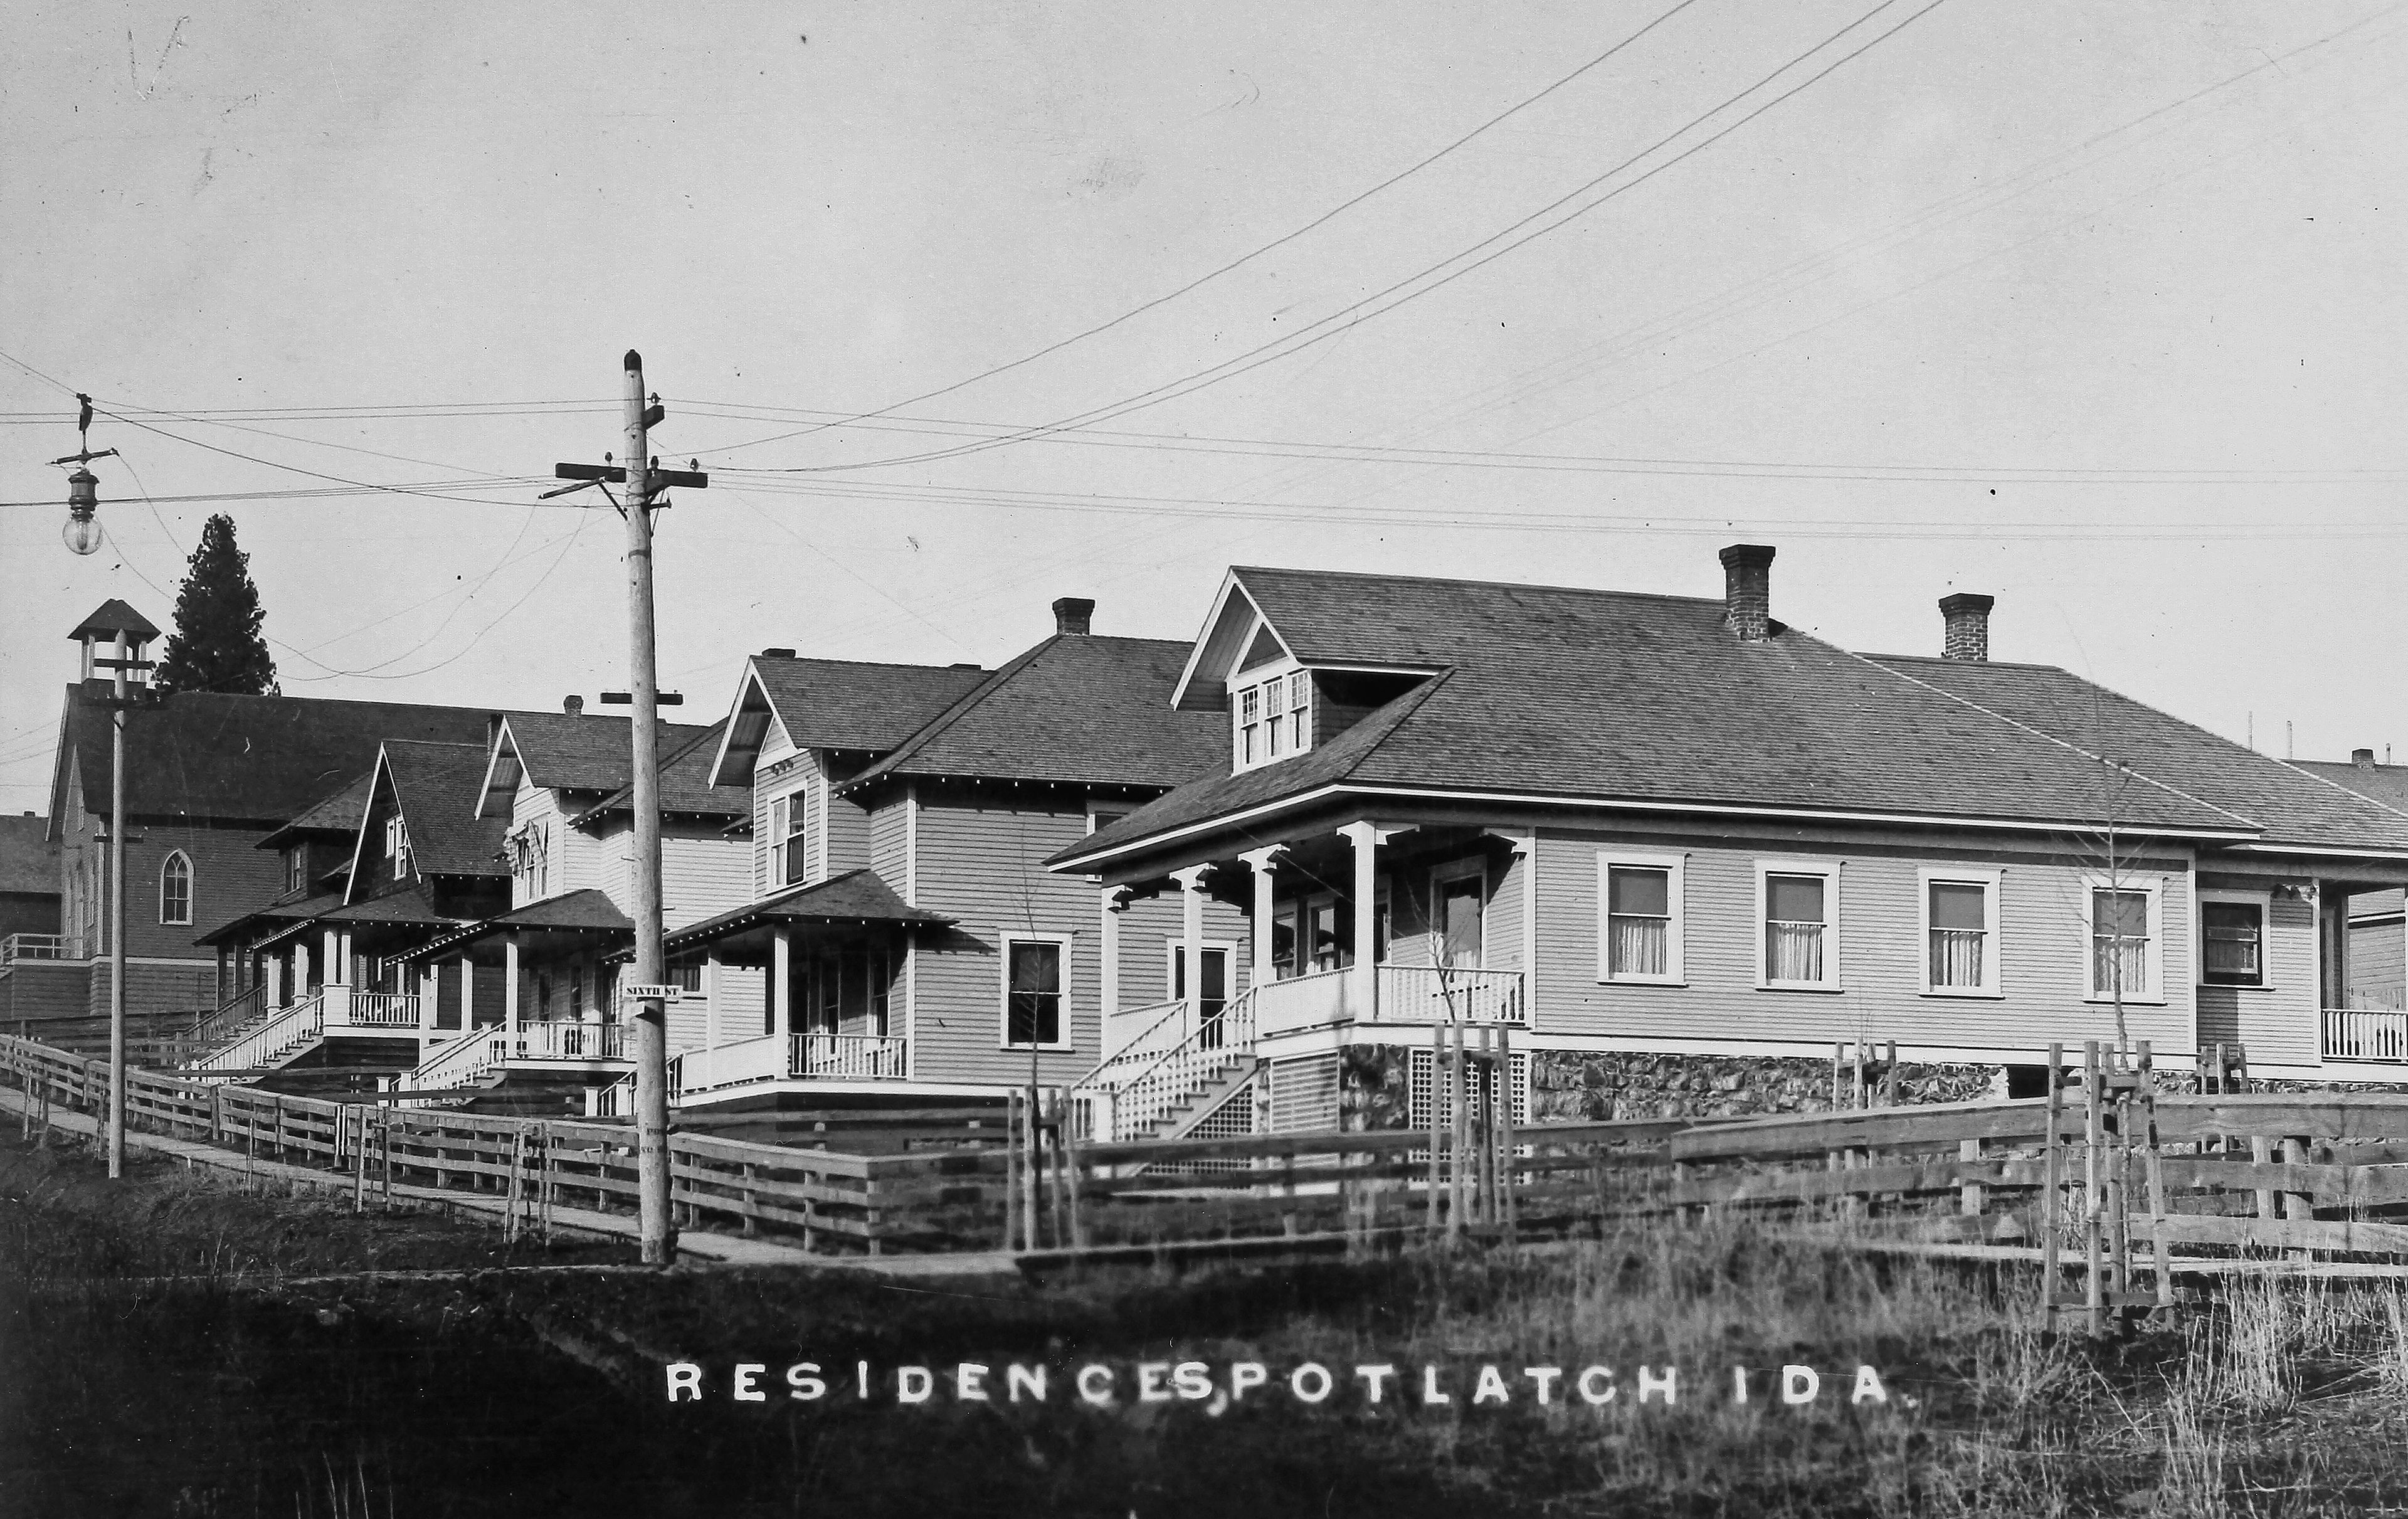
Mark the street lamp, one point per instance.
(83, 532)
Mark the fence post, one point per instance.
(2296, 1204)
(1437, 1117)
(360, 1167)
(1969, 1195)
(2051, 1199)
(1010, 1170)
(1069, 1141)
(2261, 1151)
(1505, 1156)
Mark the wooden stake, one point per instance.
(2094, 1299)
(1070, 1175)
(1011, 1169)
(1458, 1137)
(1505, 1123)
(2261, 1150)
(1438, 1118)
(2165, 1282)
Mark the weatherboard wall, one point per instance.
(2042, 947)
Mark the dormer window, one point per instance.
(397, 847)
(1272, 716)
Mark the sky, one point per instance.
(967, 307)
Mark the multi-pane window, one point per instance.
(2234, 936)
(789, 851)
(1032, 1010)
(1796, 928)
(175, 889)
(1272, 718)
(296, 868)
(1638, 922)
(2119, 942)
(1959, 934)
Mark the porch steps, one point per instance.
(1178, 1120)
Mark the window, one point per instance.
(1101, 818)
(397, 847)
(1641, 941)
(2232, 936)
(2124, 939)
(1961, 933)
(1032, 992)
(1798, 924)
(529, 863)
(175, 889)
(1272, 718)
(789, 860)
(1287, 932)
(296, 868)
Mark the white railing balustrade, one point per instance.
(858, 1057)
(1135, 1090)
(1446, 995)
(230, 1017)
(565, 1041)
(18, 946)
(763, 1059)
(1313, 1000)
(459, 1061)
(273, 1040)
(374, 1010)
(2361, 1034)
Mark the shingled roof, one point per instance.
(1617, 697)
(338, 813)
(228, 758)
(1077, 708)
(436, 785)
(583, 753)
(686, 785)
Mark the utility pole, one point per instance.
(643, 483)
(117, 908)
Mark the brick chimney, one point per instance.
(1747, 591)
(1964, 627)
(1071, 614)
(573, 706)
(2362, 758)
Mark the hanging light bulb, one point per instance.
(83, 533)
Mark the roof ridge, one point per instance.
(1450, 579)
(857, 664)
(2042, 733)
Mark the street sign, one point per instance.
(652, 994)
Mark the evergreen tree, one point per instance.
(216, 645)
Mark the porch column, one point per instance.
(1114, 902)
(782, 983)
(1363, 989)
(274, 996)
(300, 969)
(430, 995)
(1191, 933)
(467, 996)
(711, 1025)
(1260, 971)
(334, 952)
(510, 993)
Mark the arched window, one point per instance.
(175, 889)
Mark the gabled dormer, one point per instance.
(418, 830)
(1286, 690)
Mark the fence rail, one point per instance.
(2359, 1034)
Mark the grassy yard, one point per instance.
(508, 1393)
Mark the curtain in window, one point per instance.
(2233, 934)
(1793, 928)
(1639, 921)
(1960, 931)
(2119, 930)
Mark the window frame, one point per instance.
(296, 870)
(167, 866)
(1676, 894)
(1834, 971)
(1173, 949)
(1279, 696)
(2151, 887)
(2235, 897)
(1062, 943)
(1992, 883)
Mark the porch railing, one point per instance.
(228, 1018)
(562, 1039)
(18, 946)
(1135, 1090)
(861, 1057)
(2356, 1034)
(763, 1059)
(1413, 995)
(281, 1037)
(459, 1061)
(374, 1010)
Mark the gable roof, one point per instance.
(112, 617)
(228, 758)
(1623, 697)
(686, 785)
(29, 856)
(557, 751)
(340, 813)
(1078, 708)
(436, 785)
(834, 704)
(854, 897)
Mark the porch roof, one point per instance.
(856, 897)
(302, 909)
(588, 910)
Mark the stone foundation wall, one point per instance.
(1375, 1087)
(1574, 1087)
